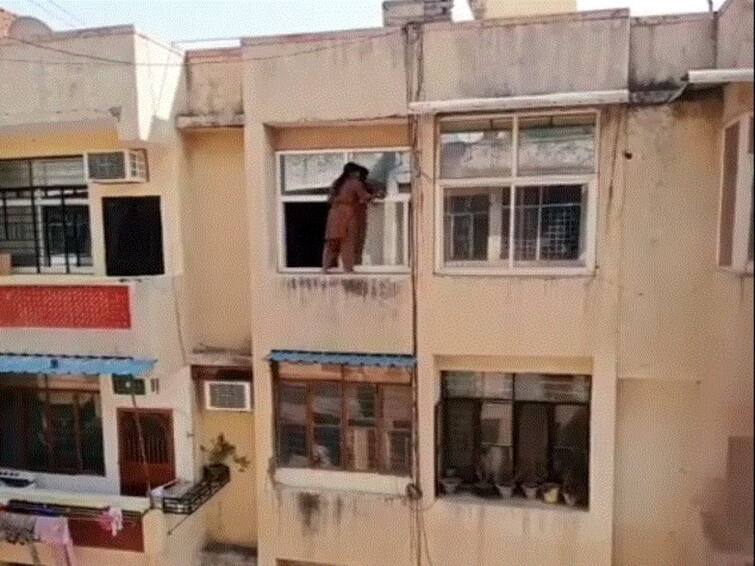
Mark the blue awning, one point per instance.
(67, 365)
(346, 359)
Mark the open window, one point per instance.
(133, 235)
(304, 181)
(518, 194)
(44, 215)
(735, 239)
(513, 430)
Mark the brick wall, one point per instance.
(6, 19)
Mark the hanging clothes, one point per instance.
(111, 520)
(55, 532)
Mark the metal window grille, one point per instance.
(46, 229)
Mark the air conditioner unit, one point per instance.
(228, 396)
(123, 166)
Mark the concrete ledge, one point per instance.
(209, 121)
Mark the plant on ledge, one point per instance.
(218, 454)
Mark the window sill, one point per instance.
(72, 279)
(543, 272)
(737, 271)
(515, 502)
(370, 272)
(337, 480)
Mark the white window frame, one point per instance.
(740, 263)
(281, 199)
(508, 267)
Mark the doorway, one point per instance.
(137, 477)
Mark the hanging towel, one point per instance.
(54, 531)
(111, 520)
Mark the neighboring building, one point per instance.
(556, 288)
(488, 9)
(6, 19)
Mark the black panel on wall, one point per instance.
(133, 236)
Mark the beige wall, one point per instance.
(515, 8)
(217, 240)
(233, 517)
(213, 82)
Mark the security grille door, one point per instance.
(156, 461)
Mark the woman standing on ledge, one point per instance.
(342, 231)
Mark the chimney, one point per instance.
(490, 9)
(6, 19)
(398, 13)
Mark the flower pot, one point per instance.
(506, 490)
(216, 473)
(530, 490)
(450, 485)
(571, 499)
(551, 493)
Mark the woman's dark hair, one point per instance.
(349, 169)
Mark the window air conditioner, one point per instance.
(123, 166)
(228, 396)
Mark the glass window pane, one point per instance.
(384, 235)
(466, 225)
(326, 404)
(476, 153)
(526, 223)
(571, 449)
(15, 173)
(532, 441)
(549, 146)
(62, 424)
(397, 407)
(552, 388)
(459, 446)
(362, 443)
(90, 423)
(305, 173)
(57, 172)
(498, 463)
(495, 423)
(398, 452)
(37, 452)
(572, 423)
(561, 222)
(292, 445)
(505, 223)
(489, 385)
(388, 169)
(326, 450)
(361, 401)
(11, 439)
(292, 405)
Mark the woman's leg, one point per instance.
(330, 253)
(348, 249)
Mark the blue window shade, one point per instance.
(71, 365)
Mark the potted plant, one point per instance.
(551, 492)
(450, 481)
(484, 486)
(218, 455)
(572, 489)
(531, 486)
(505, 485)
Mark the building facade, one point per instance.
(544, 356)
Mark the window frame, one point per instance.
(281, 199)
(743, 206)
(441, 446)
(588, 180)
(38, 199)
(380, 426)
(46, 390)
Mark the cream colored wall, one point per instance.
(233, 518)
(515, 8)
(686, 335)
(217, 239)
(213, 80)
